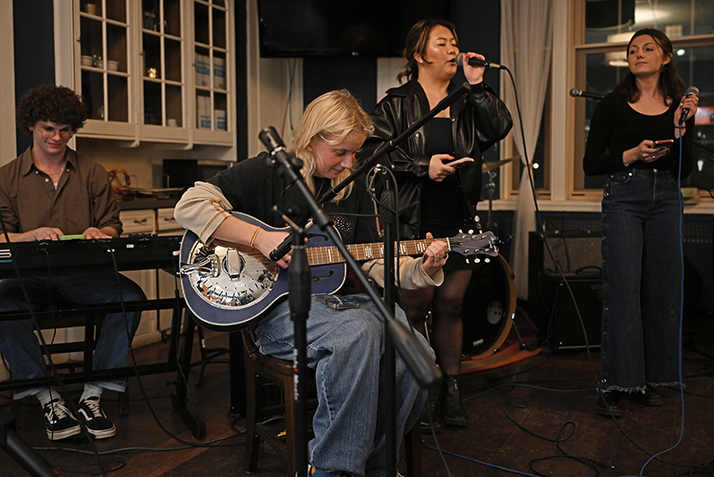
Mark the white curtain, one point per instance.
(526, 39)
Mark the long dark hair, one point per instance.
(671, 84)
(416, 41)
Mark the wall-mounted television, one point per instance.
(373, 28)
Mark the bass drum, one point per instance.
(489, 307)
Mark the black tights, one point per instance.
(445, 303)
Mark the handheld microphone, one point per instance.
(691, 91)
(477, 62)
(585, 94)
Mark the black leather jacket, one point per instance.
(479, 119)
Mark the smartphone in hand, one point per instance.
(663, 144)
(459, 162)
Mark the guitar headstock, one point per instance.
(484, 243)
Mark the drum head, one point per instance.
(489, 306)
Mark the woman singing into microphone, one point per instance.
(435, 196)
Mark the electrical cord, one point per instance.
(178, 365)
(541, 230)
(54, 374)
(371, 176)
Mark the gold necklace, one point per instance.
(61, 169)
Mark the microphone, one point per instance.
(279, 252)
(477, 62)
(585, 94)
(272, 142)
(691, 91)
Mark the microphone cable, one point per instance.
(145, 397)
(54, 374)
(560, 272)
(681, 303)
(394, 209)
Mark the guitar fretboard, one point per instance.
(367, 251)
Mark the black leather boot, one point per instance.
(449, 406)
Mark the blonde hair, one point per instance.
(331, 117)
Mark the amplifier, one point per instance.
(567, 300)
(554, 300)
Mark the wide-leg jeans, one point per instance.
(642, 279)
(345, 348)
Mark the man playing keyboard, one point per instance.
(46, 193)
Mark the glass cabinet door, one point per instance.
(211, 40)
(162, 42)
(104, 60)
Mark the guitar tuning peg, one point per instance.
(461, 231)
(467, 261)
(477, 260)
(471, 231)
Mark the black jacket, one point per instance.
(479, 119)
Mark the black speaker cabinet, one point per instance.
(556, 296)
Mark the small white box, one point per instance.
(203, 70)
(220, 119)
(219, 73)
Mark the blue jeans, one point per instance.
(642, 274)
(345, 348)
(19, 344)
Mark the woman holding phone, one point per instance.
(438, 170)
(635, 137)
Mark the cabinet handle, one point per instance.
(140, 221)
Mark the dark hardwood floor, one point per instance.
(533, 417)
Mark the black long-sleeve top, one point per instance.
(615, 127)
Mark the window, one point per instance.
(601, 64)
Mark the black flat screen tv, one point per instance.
(371, 28)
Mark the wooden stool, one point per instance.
(280, 372)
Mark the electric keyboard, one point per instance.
(135, 252)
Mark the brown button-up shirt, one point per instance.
(83, 198)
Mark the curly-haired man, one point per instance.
(48, 192)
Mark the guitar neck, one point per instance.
(367, 251)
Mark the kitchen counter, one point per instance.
(149, 203)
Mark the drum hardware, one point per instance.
(489, 308)
(491, 168)
(524, 315)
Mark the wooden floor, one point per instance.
(534, 417)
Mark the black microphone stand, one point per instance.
(390, 146)
(299, 295)
(399, 335)
(414, 356)
(23, 453)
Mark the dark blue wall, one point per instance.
(34, 51)
(478, 25)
